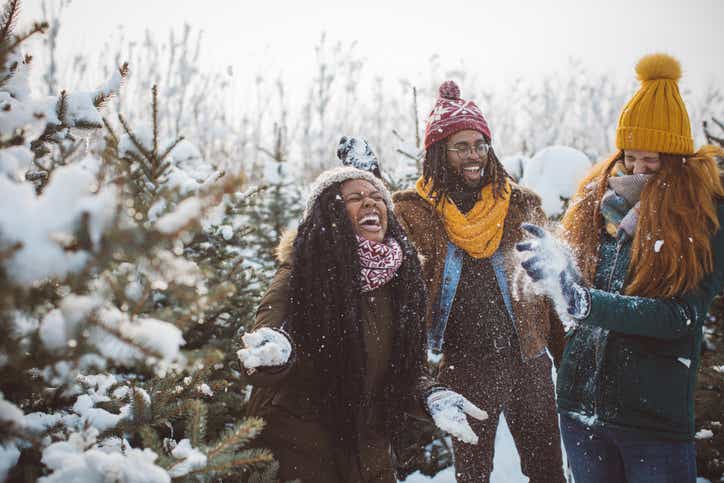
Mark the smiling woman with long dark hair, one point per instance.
(337, 354)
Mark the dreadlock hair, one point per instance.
(679, 204)
(436, 168)
(325, 312)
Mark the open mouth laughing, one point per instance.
(472, 172)
(370, 222)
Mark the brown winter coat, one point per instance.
(498, 367)
(287, 398)
(536, 323)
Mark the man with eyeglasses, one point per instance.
(464, 217)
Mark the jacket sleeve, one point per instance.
(556, 336)
(426, 385)
(660, 318)
(271, 313)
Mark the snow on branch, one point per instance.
(80, 458)
(68, 211)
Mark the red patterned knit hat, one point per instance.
(452, 114)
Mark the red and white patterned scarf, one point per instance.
(378, 261)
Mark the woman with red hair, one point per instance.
(643, 260)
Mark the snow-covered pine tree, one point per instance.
(111, 262)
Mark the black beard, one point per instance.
(457, 184)
(463, 194)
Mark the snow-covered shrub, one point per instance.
(554, 173)
(121, 297)
(515, 165)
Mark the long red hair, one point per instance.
(678, 206)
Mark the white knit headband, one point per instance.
(339, 175)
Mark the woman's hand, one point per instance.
(264, 347)
(551, 267)
(449, 409)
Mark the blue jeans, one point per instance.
(606, 455)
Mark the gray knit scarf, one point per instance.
(620, 204)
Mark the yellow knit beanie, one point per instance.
(655, 119)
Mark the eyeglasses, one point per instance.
(464, 151)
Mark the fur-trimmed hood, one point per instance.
(285, 250)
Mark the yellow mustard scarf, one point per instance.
(480, 230)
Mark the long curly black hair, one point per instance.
(325, 318)
(435, 167)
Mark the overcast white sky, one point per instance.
(498, 40)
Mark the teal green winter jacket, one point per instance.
(632, 362)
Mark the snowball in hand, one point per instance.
(552, 269)
(549, 257)
(448, 410)
(264, 347)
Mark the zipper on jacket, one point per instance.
(619, 245)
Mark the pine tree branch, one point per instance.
(270, 473)
(110, 130)
(50, 135)
(239, 436)
(196, 424)
(150, 439)
(144, 169)
(718, 123)
(248, 458)
(170, 148)
(154, 112)
(61, 107)
(134, 157)
(10, 15)
(267, 152)
(102, 97)
(139, 305)
(407, 155)
(6, 78)
(165, 168)
(83, 124)
(40, 165)
(711, 137)
(181, 322)
(38, 28)
(134, 139)
(138, 405)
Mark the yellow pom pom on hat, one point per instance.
(655, 119)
